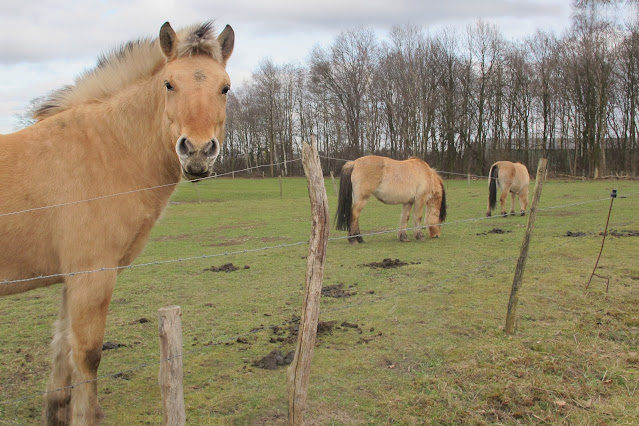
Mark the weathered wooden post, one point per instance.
(299, 372)
(280, 178)
(197, 190)
(334, 184)
(523, 254)
(170, 377)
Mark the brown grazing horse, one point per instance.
(149, 113)
(512, 178)
(410, 182)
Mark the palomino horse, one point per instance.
(148, 113)
(409, 182)
(512, 178)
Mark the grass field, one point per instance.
(420, 343)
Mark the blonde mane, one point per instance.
(121, 67)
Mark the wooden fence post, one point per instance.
(334, 184)
(280, 178)
(523, 254)
(298, 373)
(170, 378)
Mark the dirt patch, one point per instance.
(227, 267)
(336, 291)
(289, 334)
(272, 239)
(112, 345)
(622, 233)
(498, 231)
(231, 242)
(179, 237)
(577, 234)
(274, 360)
(389, 263)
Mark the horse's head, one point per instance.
(196, 86)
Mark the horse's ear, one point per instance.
(168, 41)
(226, 39)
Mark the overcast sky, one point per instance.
(46, 43)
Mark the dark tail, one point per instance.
(345, 199)
(492, 186)
(442, 208)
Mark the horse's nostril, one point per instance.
(212, 148)
(184, 147)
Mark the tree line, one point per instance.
(460, 99)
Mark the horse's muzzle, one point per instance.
(194, 177)
(197, 161)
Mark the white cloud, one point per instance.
(46, 43)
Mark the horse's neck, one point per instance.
(136, 118)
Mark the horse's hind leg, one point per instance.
(88, 298)
(512, 203)
(403, 222)
(354, 236)
(502, 199)
(57, 402)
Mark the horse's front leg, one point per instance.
(418, 215)
(88, 301)
(523, 200)
(57, 402)
(403, 221)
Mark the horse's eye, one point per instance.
(168, 85)
(226, 89)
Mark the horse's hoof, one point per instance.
(352, 240)
(419, 237)
(523, 213)
(403, 238)
(360, 240)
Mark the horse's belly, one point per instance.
(394, 196)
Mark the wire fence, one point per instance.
(233, 338)
(259, 329)
(299, 243)
(231, 173)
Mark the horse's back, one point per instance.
(512, 174)
(391, 181)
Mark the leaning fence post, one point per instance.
(523, 254)
(170, 378)
(298, 373)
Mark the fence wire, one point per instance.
(284, 323)
(253, 331)
(208, 256)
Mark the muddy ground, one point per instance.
(389, 263)
(227, 267)
(498, 231)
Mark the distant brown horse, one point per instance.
(512, 178)
(149, 113)
(410, 182)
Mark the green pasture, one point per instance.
(421, 343)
